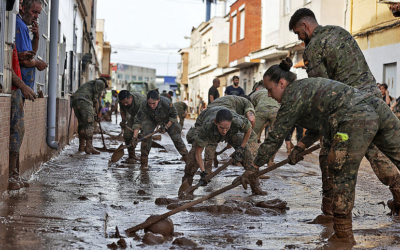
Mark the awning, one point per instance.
(300, 65)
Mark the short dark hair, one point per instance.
(171, 93)
(123, 94)
(153, 95)
(245, 96)
(282, 70)
(384, 85)
(223, 115)
(235, 77)
(299, 15)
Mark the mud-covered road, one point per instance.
(76, 201)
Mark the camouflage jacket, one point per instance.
(133, 109)
(333, 53)
(261, 97)
(317, 104)
(396, 109)
(181, 107)
(90, 91)
(208, 132)
(162, 114)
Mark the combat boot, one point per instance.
(256, 189)
(144, 161)
(343, 231)
(90, 149)
(394, 204)
(82, 144)
(132, 158)
(13, 178)
(188, 179)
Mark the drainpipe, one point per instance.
(52, 86)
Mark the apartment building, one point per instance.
(122, 74)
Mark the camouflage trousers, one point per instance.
(364, 125)
(85, 114)
(235, 141)
(17, 124)
(127, 133)
(174, 132)
(264, 115)
(181, 119)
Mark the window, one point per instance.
(140, 78)
(133, 78)
(242, 24)
(287, 6)
(234, 24)
(120, 76)
(127, 77)
(146, 79)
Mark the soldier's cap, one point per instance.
(104, 80)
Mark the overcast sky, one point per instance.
(149, 33)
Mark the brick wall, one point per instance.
(5, 109)
(252, 31)
(34, 150)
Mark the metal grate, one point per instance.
(42, 76)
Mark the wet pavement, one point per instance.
(76, 200)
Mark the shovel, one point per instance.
(119, 152)
(150, 221)
(216, 162)
(102, 136)
(185, 189)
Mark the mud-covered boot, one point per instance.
(394, 204)
(132, 158)
(90, 149)
(144, 162)
(343, 231)
(188, 179)
(82, 144)
(13, 178)
(256, 189)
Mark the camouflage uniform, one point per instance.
(326, 107)
(132, 110)
(334, 54)
(207, 135)
(396, 109)
(83, 102)
(236, 104)
(182, 109)
(266, 109)
(147, 120)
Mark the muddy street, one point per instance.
(76, 201)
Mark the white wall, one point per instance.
(377, 57)
(270, 23)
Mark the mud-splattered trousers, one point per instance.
(207, 135)
(132, 111)
(17, 124)
(147, 120)
(327, 56)
(328, 108)
(84, 112)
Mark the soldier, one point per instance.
(220, 124)
(86, 102)
(345, 117)
(130, 104)
(157, 110)
(332, 52)
(241, 106)
(396, 108)
(266, 108)
(182, 109)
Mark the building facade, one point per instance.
(122, 74)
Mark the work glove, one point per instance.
(203, 181)
(295, 156)
(123, 124)
(238, 155)
(163, 128)
(248, 177)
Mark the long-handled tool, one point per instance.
(186, 189)
(120, 150)
(102, 136)
(216, 162)
(131, 231)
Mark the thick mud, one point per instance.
(76, 201)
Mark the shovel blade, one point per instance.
(118, 153)
(183, 188)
